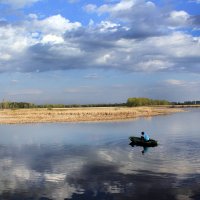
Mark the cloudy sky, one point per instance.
(75, 51)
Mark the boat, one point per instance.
(138, 141)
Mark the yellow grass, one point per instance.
(41, 115)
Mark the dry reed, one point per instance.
(40, 115)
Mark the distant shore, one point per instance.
(43, 115)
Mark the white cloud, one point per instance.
(106, 26)
(53, 39)
(54, 24)
(18, 3)
(104, 59)
(197, 1)
(123, 5)
(125, 9)
(5, 56)
(175, 82)
(90, 8)
(154, 65)
(179, 45)
(178, 18)
(15, 40)
(144, 16)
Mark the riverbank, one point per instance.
(43, 115)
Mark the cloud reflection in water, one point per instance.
(86, 172)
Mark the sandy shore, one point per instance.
(42, 115)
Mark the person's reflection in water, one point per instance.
(145, 149)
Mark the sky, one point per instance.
(82, 52)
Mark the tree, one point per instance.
(133, 102)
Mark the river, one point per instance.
(90, 161)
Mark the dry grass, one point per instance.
(80, 114)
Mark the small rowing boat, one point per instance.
(138, 141)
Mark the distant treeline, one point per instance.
(12, 105)
(187, 103)
(79, 105)
(17, 105)
(132, 102)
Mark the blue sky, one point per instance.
(75, 51)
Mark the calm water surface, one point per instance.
(95, 161)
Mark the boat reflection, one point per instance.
(144, 150)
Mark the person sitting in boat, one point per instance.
(144, 136)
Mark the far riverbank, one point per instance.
(43, 115)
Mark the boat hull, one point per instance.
(140, 142)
